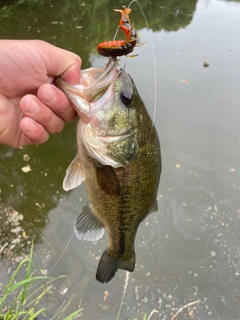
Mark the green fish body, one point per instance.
(118, 158)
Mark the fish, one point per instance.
(118, 158)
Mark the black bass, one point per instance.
(118, 158)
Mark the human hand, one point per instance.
(31, 107)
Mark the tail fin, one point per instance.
(109, 265)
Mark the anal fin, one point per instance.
(87, 227)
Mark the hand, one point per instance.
(31, 107)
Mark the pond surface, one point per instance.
(190, 249)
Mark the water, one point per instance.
(190, 249)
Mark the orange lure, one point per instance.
(120, 47)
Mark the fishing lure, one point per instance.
(116, 48)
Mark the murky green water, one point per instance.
(190, 249)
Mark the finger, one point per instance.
(61, 63)
(32, 132)
(33, 108)
(56, 100)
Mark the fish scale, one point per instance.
(120, 161)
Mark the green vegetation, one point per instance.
(144, 317)
(17, 302)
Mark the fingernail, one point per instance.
(32, 105)
(48, 94)
(30, 126)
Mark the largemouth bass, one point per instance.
(118, 158)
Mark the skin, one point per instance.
(31, 107)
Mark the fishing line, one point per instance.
(154, 61)
(47, 275)
(116, 34)
(69, 241)
(154, 115)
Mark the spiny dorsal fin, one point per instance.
(87, 227)
(74, 175)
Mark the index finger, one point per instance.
(60, 62)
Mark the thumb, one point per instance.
(60, 62)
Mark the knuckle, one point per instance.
(57, 126)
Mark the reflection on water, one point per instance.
(190, 249)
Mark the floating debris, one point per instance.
(105, 295)
(13, 236)
(26, 169)
(13, 217)
(206, 64)
(186, 306)
(186, 83)
(213, 253)
(26, 157)
(16, 230)
(63, 291)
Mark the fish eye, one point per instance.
(126, 97)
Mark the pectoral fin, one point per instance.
(87, 227)
(74, 175)
(107, 180)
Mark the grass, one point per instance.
(144, 317)
(16, 301)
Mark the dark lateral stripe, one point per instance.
(122, 240)
(122, 243)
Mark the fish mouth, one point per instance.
(94, 89)
(115, 137)
(93, 81)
